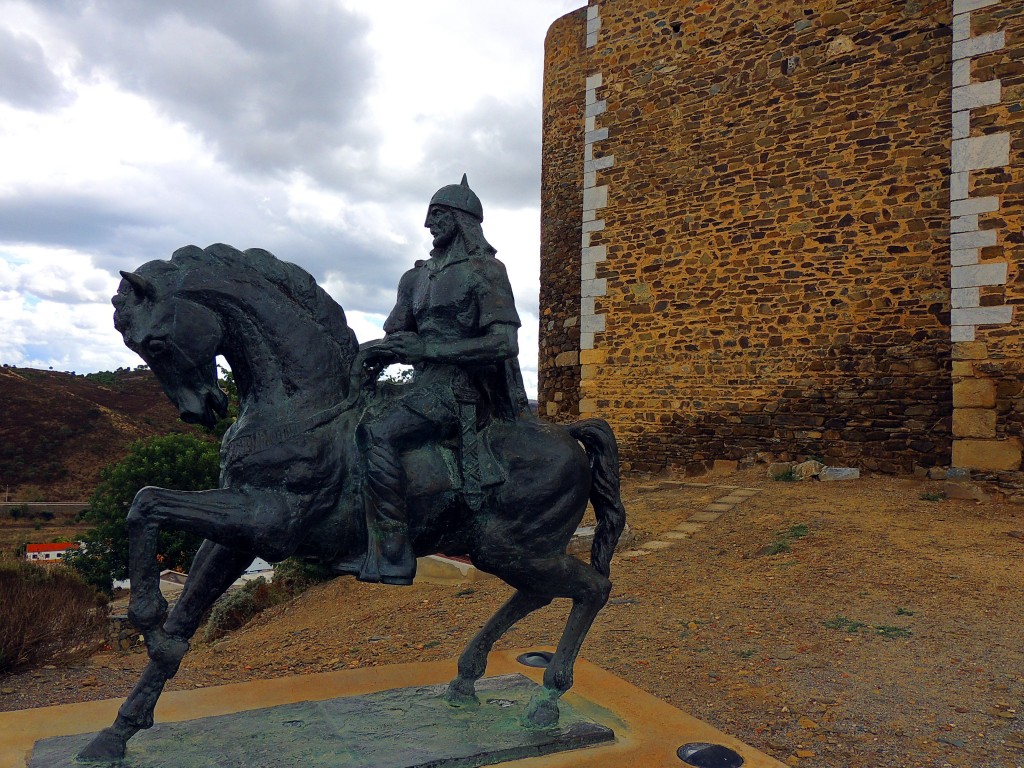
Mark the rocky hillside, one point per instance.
(58, 430)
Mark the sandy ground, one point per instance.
(833, 624)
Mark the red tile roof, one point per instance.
(59, 547)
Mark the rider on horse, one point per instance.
(287, 486)
(455, 321)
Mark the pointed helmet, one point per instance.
(460, 197)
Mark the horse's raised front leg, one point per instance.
(146, 606)
(461, 691)
(549, 577)
(250, 520)
(214, 569)
(246, 521)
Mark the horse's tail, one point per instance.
(603, 452)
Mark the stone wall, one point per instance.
(775, 271)
(561, 199)
(987, 236)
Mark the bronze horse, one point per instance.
(290, 471)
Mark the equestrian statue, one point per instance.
(325, 464)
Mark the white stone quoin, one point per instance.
(973, 153)
(595, 196)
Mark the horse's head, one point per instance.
(176, 336)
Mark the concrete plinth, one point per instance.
(648, 732)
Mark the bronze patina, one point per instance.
(324, 464)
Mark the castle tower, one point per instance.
(787, 227)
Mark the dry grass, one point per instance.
(47, 614)
(888, 634)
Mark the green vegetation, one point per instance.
(178, 462)
(112, 378)
(236, 609)
(19, 511)
(797, 531)
(784, 539)
(47, 614)
(25, 512)
(841, 622)
(227, 383)
(789, 476)
(884, 631)
(933, 496)
(105, 378)
(295, 576)
(396, 374)
(778, 546)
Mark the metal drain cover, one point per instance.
(535, 659)
(701, 755)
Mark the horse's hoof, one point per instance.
(147, 613)
(542, 712)
(106, 747)
(461, 694)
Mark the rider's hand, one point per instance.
(376, 353)
(408, 347)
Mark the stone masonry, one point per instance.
(560, 233)
(800, 231)
(986, 353)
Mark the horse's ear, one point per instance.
(139, 284)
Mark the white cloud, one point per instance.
(315, 129)
(57, 313)
(55, 275)
(25, 75)
(366, 326)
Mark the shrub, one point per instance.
(234, 610)
(294, 576)
(237, 608)
(47, 614)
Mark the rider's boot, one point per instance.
(389, 554)
(389, 558)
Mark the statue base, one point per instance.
(295, 721)
(400, 728)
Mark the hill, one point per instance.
(58, 429)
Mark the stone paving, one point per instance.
(733, 496)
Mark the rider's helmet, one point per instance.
(460, 197)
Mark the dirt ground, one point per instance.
(840, 624)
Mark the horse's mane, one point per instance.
(291, 281)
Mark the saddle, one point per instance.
(465, 464)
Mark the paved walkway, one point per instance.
(733, 496)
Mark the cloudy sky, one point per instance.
(317, 129)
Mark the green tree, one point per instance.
(227, 383)
(178, 462)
